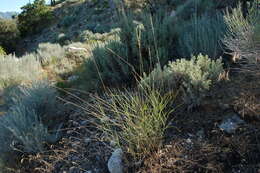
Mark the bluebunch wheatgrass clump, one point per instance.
(134, 120)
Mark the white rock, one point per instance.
(115, 163)
(76, 49)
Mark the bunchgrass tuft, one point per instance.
(136, 121)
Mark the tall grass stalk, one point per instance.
(136, 121)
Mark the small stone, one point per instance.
(231, 123)
(224, 106)
(87, 140)
(112, 143)
(173, 13)
(115, 163)
(73, 170)
(200, 134)
(188, 140)
(83, 123)
(72, 78)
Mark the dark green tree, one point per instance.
(9, 34)
(34, 17)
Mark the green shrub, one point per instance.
(187, 9)
(201, 35)
(9, 34)
(34, 17)
(23, 127)
(144, 4)
(140, 47)
(135, 121)
(194, 77)
(89, 37)
(15, 70)
(2, 51)
(67, 21)
(107, 66)
(149, 40)
(49, 53)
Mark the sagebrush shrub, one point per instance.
(67, 21)
(194, 77)
(149, 39)
(139, 47)
(25, 125)
(15, 70)
(202, 35)
(49, 53)
(107, 66)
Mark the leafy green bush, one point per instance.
(194, 77)
(136, 121)
(34, 17)
(23, 125)
(15, 70)
(202, 35)
(49, 53)
(9, 34)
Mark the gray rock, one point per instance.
(231, 123)
(72, 78)
(115, 163)
(112, 143)
(73, 170)
(87, 140)
(173, 13)
(200, 134)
